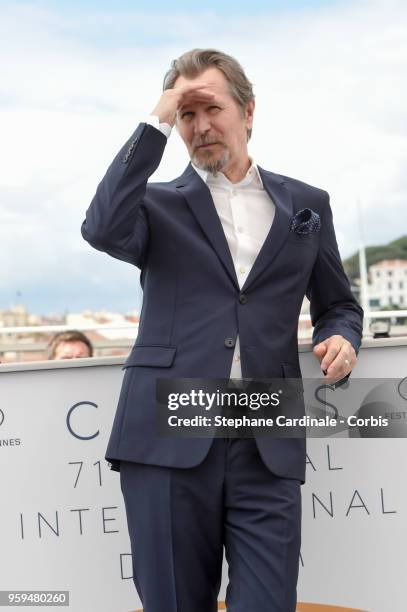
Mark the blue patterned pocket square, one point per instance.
(305, 221)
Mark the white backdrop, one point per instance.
(63, 524)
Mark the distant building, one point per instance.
(16, 316)
(124, 326)
(388, 283)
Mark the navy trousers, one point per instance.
(179, 520)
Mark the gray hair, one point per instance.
(192, 63)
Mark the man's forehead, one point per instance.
(215, 79)
(71, 344)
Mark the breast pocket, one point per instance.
(306, 240)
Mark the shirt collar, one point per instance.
(252, 177)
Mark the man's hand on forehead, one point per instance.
(173, 99)
(199, 92)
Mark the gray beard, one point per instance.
(213, 166)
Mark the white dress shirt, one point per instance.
(246, 212)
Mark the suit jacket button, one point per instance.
(229, 342)
(243, 298)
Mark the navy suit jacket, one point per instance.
(192, 307)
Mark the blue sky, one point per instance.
(109, 24)
(158, 6)
(77, 77)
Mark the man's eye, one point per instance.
(214, 108)
(186, 114)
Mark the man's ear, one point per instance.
(249, 112)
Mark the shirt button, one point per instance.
(237, 358)
(233, 192)
(242, 270)
(229, 342)
(240, 229)
(243, 298)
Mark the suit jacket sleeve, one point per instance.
(116, 221)
(334, 309)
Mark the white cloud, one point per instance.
(330, 92)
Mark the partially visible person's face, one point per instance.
(71, 350)
(214, 133)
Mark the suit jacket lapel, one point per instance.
(199, 199)
(280, 228)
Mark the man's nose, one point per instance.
(202, 123)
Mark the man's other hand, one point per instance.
(337, 357)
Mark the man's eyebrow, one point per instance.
(184, 108)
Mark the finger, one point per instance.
(195, 97)
(342, 364)
(198, 96)
(332, 351)
(201, 88)
(320, 349)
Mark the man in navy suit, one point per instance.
(227, 252)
